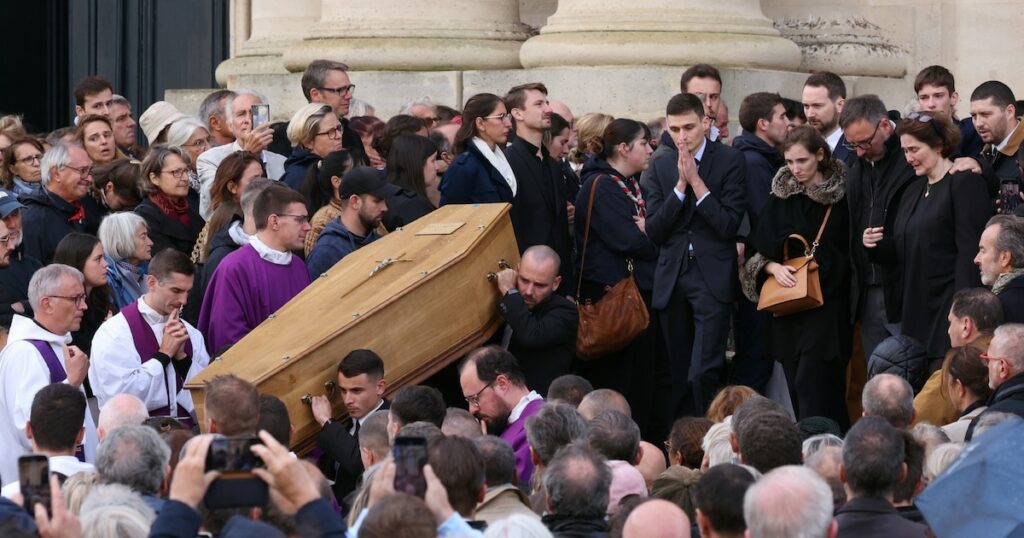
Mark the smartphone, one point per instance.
(410, 456)
(1009, 196)
(260, 115)
(233, 454)
(34, 476)
(237, 490)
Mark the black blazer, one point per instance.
(341, 448)
(471, 179)
(710, 227)
(404, 207)
(866, 517)
(169, 233)
(1012, 298)
(539, 215)
(543, 339)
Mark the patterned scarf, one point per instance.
(1005, 279)
(176, 209)
(633, 193)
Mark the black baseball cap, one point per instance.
(364, 180)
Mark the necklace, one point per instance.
(928, 185)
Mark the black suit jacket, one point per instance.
(543, 339)
(341, 450)
(539, 215)
(710, 226)
(866, 517)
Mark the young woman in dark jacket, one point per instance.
(172, 221)
(616, 244)
(814, 345)
(481, 173)
(412, 169)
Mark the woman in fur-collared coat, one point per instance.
(813, 346)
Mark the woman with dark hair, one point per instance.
(172, 221)
(321, 189)
(412, 168)
(96, 135)
(21, 171)
(85, 253)
(402, 124)
(617, 247)
(116, 184)
(966, 382)
(559, 142)
(481, 173)
(368, 128)
(234, 174)
(933, 236)
(813, 346)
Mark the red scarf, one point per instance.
(79, 212)
(177, 209)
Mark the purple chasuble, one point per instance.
(515, 435)
(147, 347)
(57, 375)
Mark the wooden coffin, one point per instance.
(419, 297)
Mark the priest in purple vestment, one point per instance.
(495, 388)
(254, 281)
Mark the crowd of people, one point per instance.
(127, 265)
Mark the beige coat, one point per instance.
(501, 502)
(957, 430)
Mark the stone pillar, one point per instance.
(414, 35)
(725, 33)
(272, 26)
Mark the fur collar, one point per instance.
(830, 191)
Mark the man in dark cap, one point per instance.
(364, 194)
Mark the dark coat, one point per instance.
(471, 179)
(933, 241)
(167, 232)
(1012, 298)
(763, 162)
(614, 236)
(44, 222)
(404, 207)
(335, 242)
(710, 227)
(843, 154)
(970, 141)
(901, 356)
(340, 461)
(873, 193)
(1007, 398)
(539, 214)
(14, 281)
(296, 165)
(572, 527)
(221, 244)
(1001, 165)
(867, 517)
(543, 339)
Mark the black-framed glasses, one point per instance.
(333, 133)
(340, 90)
(176, 174)
(301, 218)
(475, 399)
(31, 158)
(866, 144)
(77, 299)
(84, 171)
(499, 117)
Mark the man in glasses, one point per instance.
(37, 354)
(823, 98)
(1005, 361)
(18, 269)
(874, 185)
(327, 82)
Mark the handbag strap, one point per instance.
(808, 249)
(586, 235)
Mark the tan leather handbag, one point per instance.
(617, 318)
(806, 294)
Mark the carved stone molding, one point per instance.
(845, 45)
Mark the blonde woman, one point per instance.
(314, 132)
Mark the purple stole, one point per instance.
(147, 347)
(515, 435)
(57, 375)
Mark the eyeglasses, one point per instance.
(340, 90)
(987, 357)
(429, 122)
(925, 118)
(77, 299)
(475, 399)
(5, 239)
(177, 174)
(333, 134)
(31, 158)
(867, 143)
(301, 218)
(499, 117)
(201, 143)
(84, 171)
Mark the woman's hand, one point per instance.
(641, 223)
(872, 236)
(783, 274)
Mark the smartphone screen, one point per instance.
(410, 457)
(1009, 196)
(233, 454)
(34, 476)
(260, 115)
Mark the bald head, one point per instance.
(562, 109)
(889, 397)
(657, 518)
(652, 462)
(542, 255)
(121, 410)
(602, 400)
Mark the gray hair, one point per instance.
(120, 100)
(517, 526)
(499, 460)
(115, 511)
(990, 419)
(358, 107)
(789, 502)
(941, 458)
(58, 156)
(716, 443)
(154, 164)
(180, 131)
(890, 397)
(552, 427)
(48, 280)
(1011, 340)
(577, 482)
(863, 107)
(815, 443)
(615, 436)
(211, 105)
(462, 423)
(117, 233)
(1010, 237)
(928, 436)
(305, 123)
(230, 100)
(135, 456)
(424, 101)
(122, 410)
(316, 73)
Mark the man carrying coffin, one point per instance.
(146, 350)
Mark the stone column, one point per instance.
(272, 26)
(725, 33)
(414, 35)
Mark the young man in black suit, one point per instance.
(361, 385)
(696, 197)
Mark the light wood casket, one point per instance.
(419, 297)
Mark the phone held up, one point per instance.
(410, 456)
(237, 486)
(1009, 196)
(260, 115)
(34, 478)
